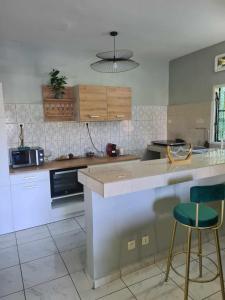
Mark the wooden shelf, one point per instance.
(58, 109)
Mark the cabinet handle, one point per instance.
(120, 116)
(30, 186)
(29, 177)
(94, 116)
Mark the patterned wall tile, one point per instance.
(36, 113)
(12, 133)
(23, 113)
(10, 113)
(148, 123)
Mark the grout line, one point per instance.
(65, 266)
(128, 288)
(21, 273)
(121, 289)
(41, 283)
(23, 291)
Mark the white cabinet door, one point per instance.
(31, 204)
(6, 217)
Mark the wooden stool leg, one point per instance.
(200, 252)
(219, 262)
(171, 250)
(187, 264)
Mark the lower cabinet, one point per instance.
(31, 204)
(6, 216)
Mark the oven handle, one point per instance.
(66, 172)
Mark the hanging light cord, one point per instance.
(114, 56)
(89, 134)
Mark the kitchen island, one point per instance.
(131, 200)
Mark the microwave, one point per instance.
(26, 156)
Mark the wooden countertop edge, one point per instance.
(54, 165)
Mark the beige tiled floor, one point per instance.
(47, 263)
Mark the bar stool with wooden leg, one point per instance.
(195, 215)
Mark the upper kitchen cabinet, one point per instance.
(58, 109)
(101, 103)
(90, 103)
(119, 103)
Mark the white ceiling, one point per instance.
(162, 29)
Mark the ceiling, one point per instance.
(163, 29)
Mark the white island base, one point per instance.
(139, 206)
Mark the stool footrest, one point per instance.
(195, 279)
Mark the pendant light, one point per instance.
(114, 61)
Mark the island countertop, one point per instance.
(127, 177)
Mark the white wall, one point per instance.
(24, 68)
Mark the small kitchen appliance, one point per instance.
(111, 150)
(26, 156)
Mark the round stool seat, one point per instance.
(185, 213)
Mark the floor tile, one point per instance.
(15, 296)
(81, 221)
(75, 259)
(32, 234)
(124, 294)
(41, 270)
(58, 289)
(209, 265)
(178, 260)
(85, 289)
(36, 249)
(7, 240)
(61, 227)
(155, 288)
(207, 248)
(197, 290)
(142, 274)
(8, 257)
(70, 240)
(10, 281)
(216, 296)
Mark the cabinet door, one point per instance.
(31, 204)
(6, 217)
(93, 104)
(119, 103)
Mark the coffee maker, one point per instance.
(111, 150)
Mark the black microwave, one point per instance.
(26, 156)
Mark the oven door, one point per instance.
(64, 183)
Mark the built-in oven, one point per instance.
(64, 183)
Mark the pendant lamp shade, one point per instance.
(115, 61)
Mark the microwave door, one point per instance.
(20, 158)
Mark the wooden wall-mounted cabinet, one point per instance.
(91, 103)
(119, 103)
(58, 109)
(102, 103)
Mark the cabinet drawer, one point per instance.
(27, 177)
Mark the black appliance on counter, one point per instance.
(64, 183)
(176, 142)
(26, 156)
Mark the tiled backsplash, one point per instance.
(148, 123)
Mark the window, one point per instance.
(219, 125)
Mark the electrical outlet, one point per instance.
(131, 245)
(145, 240)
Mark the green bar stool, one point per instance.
(195, 215)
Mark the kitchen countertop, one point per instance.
(134, 176)
(73, 163)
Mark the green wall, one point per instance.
(23, 69)
(192, 77)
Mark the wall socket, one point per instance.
(131, 245)
(145, 240)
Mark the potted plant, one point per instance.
(57, 83)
